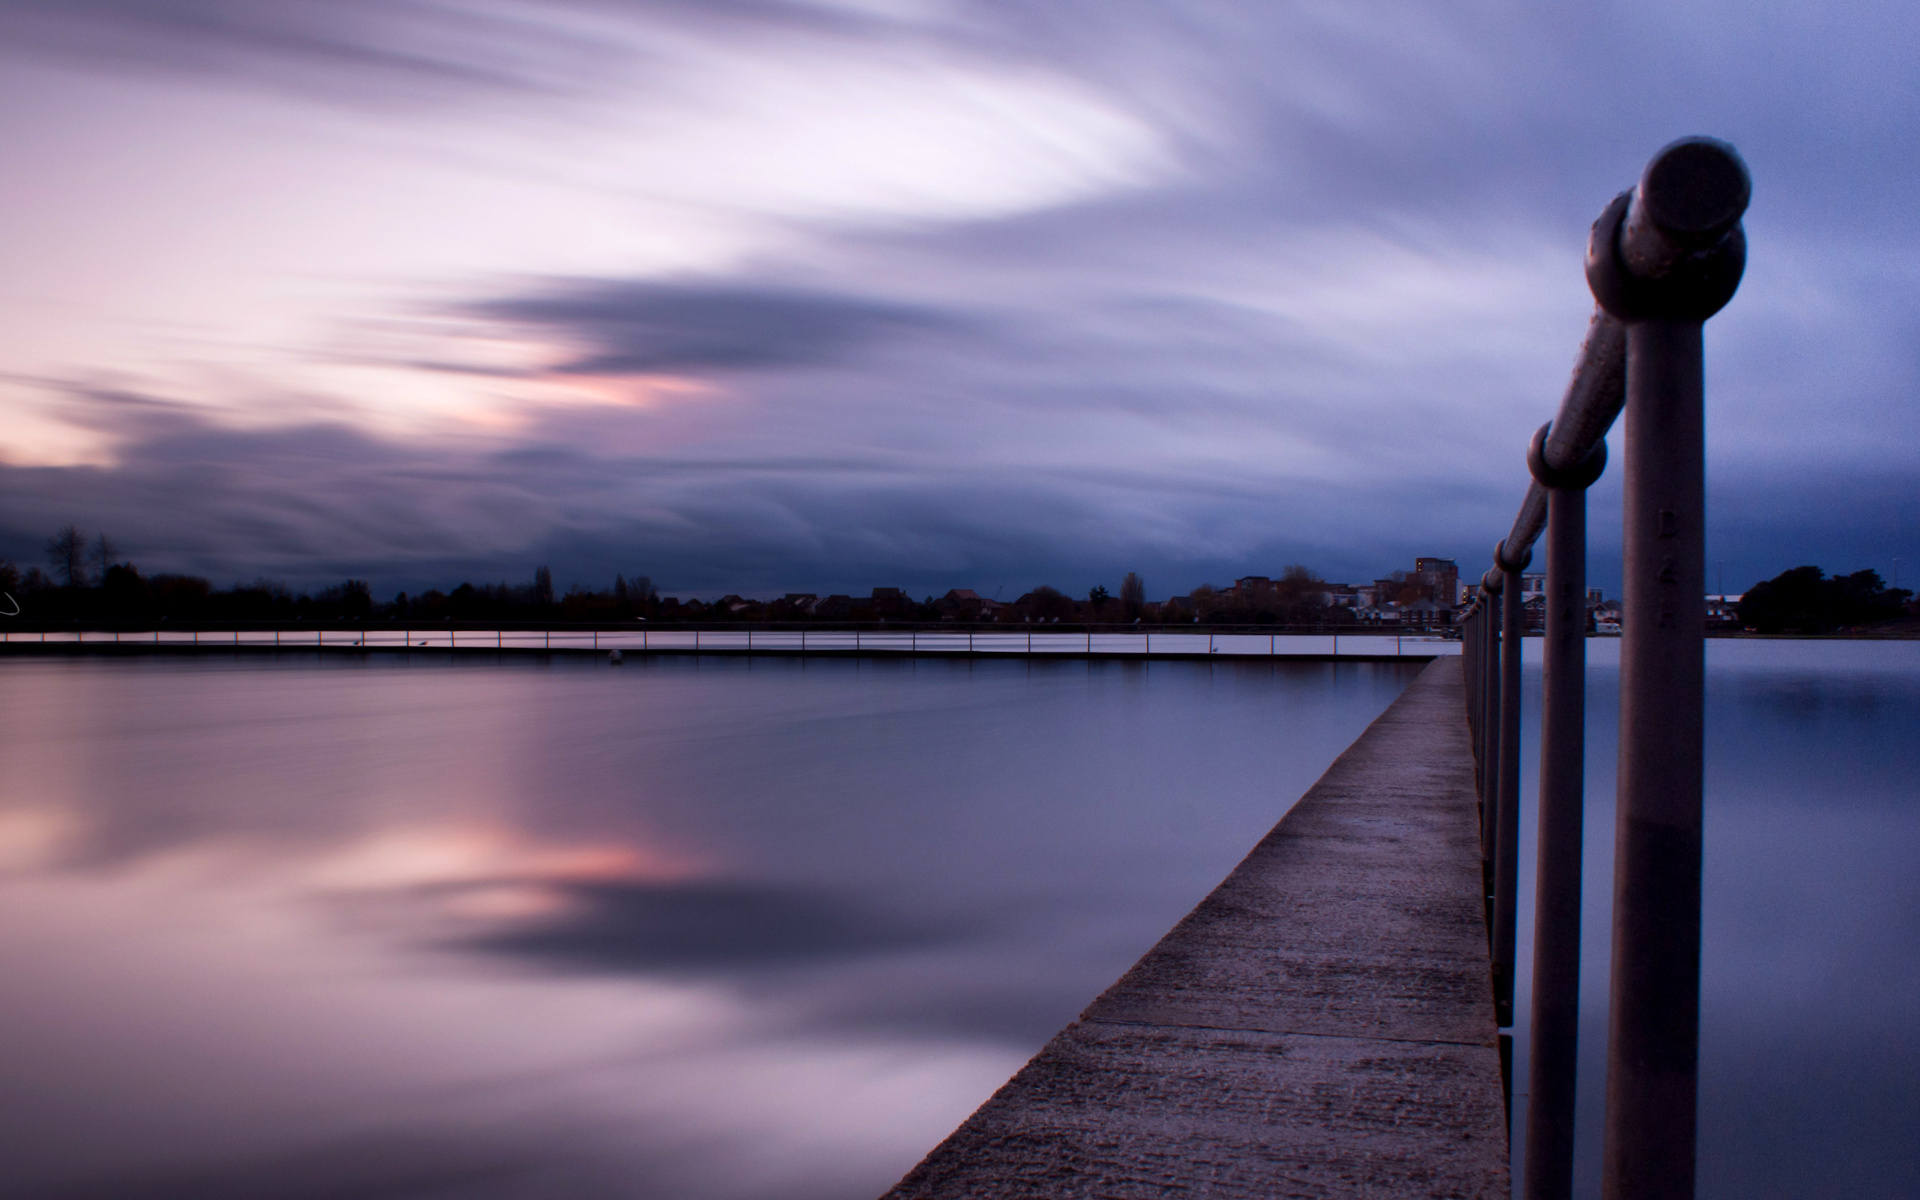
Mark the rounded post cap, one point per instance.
(1695, 188)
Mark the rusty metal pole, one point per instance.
(1480, 677)
(1469, 673)
(1663, 258)
(1490, 722)
(1480, 685)
(1478, 671)
(1554, 1036)
(1506, 836)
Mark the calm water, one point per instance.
(726, 928)
(1810, 1021)
(693, 928)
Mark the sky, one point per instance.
(769, 295)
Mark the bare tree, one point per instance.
(1133, 592)
(104, 552)
(67, 553)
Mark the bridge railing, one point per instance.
(1662, 258)
(1033, 640)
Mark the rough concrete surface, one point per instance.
(1321, 1025)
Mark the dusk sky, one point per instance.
(758, 296)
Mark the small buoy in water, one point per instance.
(615, 657)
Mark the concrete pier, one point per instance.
(1321, 1025)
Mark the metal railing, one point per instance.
(1662, 258)
(1034, 640)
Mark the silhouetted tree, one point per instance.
(543, 587)
(1046, 603)
(123, 593)
(1133, 593)
(67, 553)
(464, 602)
(104, 552)
(1805, 600)
(181, 597)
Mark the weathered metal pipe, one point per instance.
(1506, 837)
(1552, 1060)
(1490, 722)
(1469, 633)
(1528, 522)
(1594, 396)
(1662, 260)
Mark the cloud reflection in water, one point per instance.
(717, 928)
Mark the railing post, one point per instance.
(1662, 259)
(1552, 1057)
(1506, 835)
(1469, 666)
(1490, 722)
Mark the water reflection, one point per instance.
(1809, 1070)
(692, 928)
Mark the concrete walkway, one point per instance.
(1321, 1025)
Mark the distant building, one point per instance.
(962, 604)
(891, 602)
(1441, 578)
(1606, 617)
(1423, 614)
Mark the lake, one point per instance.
(1810, 971)
(687, 927)
(723, 927)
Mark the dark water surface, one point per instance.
(1810, 973)
(694, 928)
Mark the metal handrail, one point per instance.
(1594, 397)
(1661, 259)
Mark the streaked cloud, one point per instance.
(755, 295)
(639, 327)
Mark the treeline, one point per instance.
(91, 581)
(1808, 600)
(1298, 597)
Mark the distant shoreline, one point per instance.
(1903, 631)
